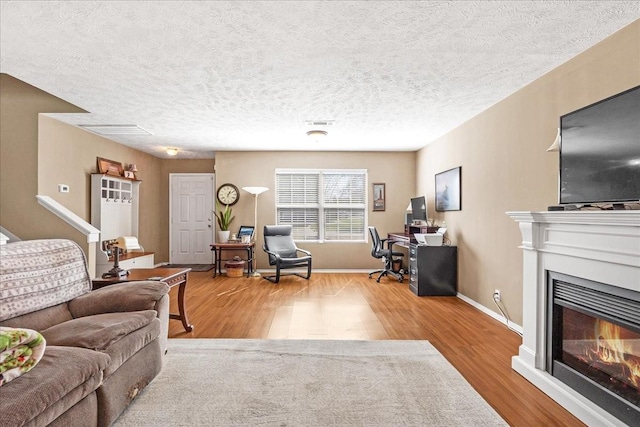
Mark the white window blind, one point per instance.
(325, 205)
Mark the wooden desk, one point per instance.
(170, 276)
(217, 249)
(400, 238)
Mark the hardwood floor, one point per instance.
(351, 306)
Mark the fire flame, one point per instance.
(612, 349)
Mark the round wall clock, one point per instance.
(228, 194)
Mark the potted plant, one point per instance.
(225, 218)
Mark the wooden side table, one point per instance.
(217, 249)
(170, 276)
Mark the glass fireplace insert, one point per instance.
(594, 342)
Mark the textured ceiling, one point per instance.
(209, 76)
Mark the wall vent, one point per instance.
(320, 122)
(107, 130)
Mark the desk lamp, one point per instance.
(120, 245)
(255, 191)
(116, 271)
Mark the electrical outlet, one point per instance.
(497, 295)
(63, 188)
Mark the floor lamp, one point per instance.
(255, 191)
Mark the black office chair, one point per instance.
(386, 255)
(283, 252)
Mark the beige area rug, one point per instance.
(224, 382)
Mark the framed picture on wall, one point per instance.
(110, 167)
(378, 197)
(448, 190)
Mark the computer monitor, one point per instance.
(419, 209)
(246, 230)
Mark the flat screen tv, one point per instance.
(419, 208)
(600, 151)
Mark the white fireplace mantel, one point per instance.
(602, 246)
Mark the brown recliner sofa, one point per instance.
(102, 346)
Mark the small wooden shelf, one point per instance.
(106, 175)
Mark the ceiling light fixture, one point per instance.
(316, 134)
(172, 151)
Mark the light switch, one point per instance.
(63, 188)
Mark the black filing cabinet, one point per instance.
(433, 270)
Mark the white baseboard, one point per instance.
(489, 312)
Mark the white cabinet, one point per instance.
(114, 206)
(114, 211)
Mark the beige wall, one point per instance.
(62, 154)
(396, 170)
(62, 144)
(502, 153)
(20, 213)
(67, 155)
(505, 166)
(37, 153)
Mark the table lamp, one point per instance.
(122, 243)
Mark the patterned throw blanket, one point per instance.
(20, 351)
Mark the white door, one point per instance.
(191, 218)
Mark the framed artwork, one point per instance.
(129, 174)
(378, 197)
(448, 190)
(110, 167)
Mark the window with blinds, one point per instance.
(322, 205)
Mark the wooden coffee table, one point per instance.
(170, 276)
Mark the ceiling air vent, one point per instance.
(320, 122)
(108, 130)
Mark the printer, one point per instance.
(431, 239)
